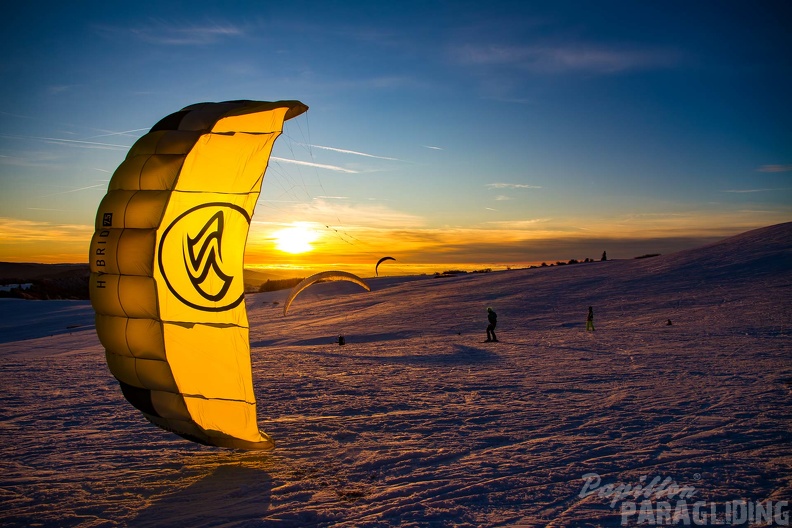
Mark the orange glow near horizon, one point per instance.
(314, 246)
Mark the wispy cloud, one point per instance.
(512, 186)
(37, 159)
(71, 142)
(566, 58)
(16, 231)
(312, 164)
(123, 133)
(518, 225)
(753, 190)
(353, 152)
(775, 168)
(37, 241)
(74, 190)
(167, 33)
(61, 88)
(269, 201)
(336, 211)
(366, 214)
(430, 147)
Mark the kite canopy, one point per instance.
(321, 277)
(380, 261)
(166, 268)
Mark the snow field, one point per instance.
(416, 421)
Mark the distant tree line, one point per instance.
(576, 261)
(562, 263)
(70, 287)
(279, 284)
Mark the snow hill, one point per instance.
(417, 422)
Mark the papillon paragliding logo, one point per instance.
(200, 256)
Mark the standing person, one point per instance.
(492, 317)
(590, 319)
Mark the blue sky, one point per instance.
(445, 132)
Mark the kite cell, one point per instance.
(380, 261)
(166, 268)
(322, 277)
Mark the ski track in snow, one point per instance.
(416, 421)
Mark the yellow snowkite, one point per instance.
(166, 262)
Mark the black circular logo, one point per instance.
(201, 256)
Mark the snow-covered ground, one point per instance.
(418, 422)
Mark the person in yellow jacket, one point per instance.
(590, 319)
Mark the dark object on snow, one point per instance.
(669, 323)
(590, 319)
(604, 256)
(492, 317)
(341, 340)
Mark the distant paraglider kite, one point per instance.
(319, 277)
(380, 261)
(166, 268)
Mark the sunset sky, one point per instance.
(442, 133)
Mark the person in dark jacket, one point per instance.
(492, 317)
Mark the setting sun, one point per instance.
(296, 239)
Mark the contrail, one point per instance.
(91, 144)
(356, 153)
(317, 165)
(118, 133)
(512, 186)
(753, 190)
(72, 190)
(80, 142)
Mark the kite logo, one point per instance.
(200, 256)
(208, 243)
